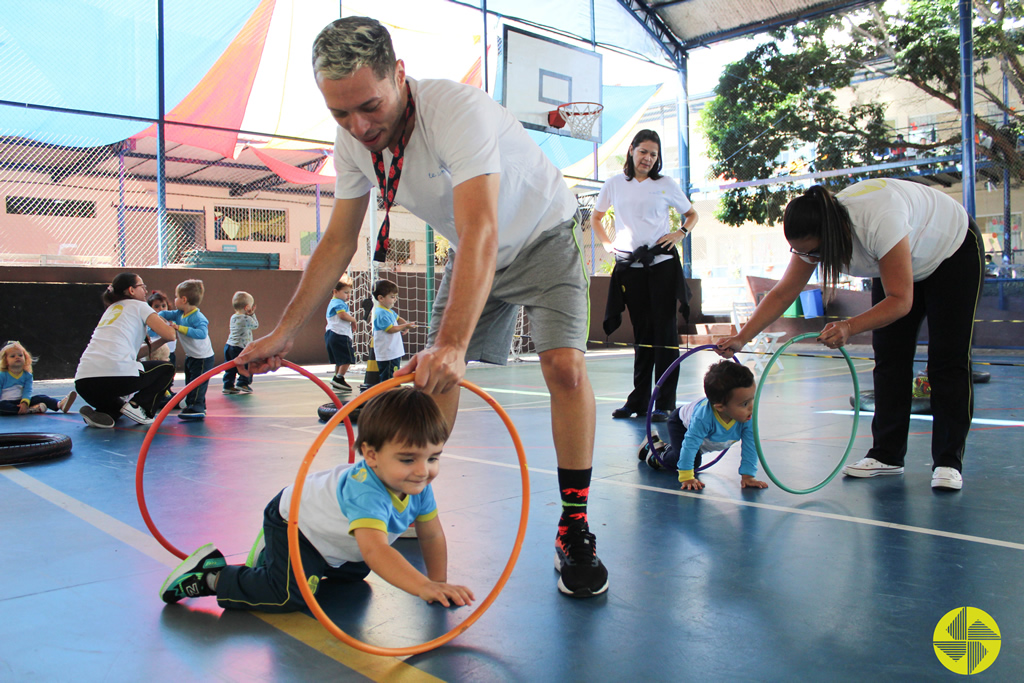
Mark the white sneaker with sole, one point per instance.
(947, 478)
(869, 467)
(136, 414)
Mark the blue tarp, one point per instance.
(97, 55)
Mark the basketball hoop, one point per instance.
(580, 117)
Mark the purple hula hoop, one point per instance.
(657, 388)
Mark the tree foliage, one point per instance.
(780, 98)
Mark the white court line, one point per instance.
(746, 503)
(766, 506)
(928, 418)
(140, 540)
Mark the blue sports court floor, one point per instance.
(847, 583)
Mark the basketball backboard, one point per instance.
(539, 73)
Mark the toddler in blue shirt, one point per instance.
(711, 424)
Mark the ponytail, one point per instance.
(115, 290)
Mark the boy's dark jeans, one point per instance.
(194, 367)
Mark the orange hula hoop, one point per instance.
(140, 468)
(293, 527)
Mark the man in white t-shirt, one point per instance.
(462, 163)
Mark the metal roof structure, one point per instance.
(681, 25)
(694, 23)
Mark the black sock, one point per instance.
(574, 487)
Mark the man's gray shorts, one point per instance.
(549, 280)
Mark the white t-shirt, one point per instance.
(115, 341)
(641, 210)
(462, 133)
(386, 345)
(884, 211)
(334, 323)
(336, 502)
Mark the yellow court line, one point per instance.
(305, 629)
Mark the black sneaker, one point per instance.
(188, 580)
(95, 418)
(582, 573)
(646, 447)
(192, 413)
(624, 412)
(338, 383)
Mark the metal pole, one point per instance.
(593, 46)
(431, 247)
(121, 231)
(967, 104)
(1007, 234)
(683, 117)
(318, 213)
(483, 13)
(161, 161)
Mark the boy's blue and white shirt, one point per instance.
(706, 431)
(336, 324)
(195, 341)
(386, 345)
(15, 388)
(336, 502)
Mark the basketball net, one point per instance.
(580, 117)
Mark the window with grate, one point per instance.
(36, 206)
(399, 251)
(249, 224)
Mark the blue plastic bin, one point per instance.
(812, 304)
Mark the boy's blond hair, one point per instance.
(344, 282)
(15, 345)
(192, 291)
(242, 300)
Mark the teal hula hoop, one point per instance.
(853, 430)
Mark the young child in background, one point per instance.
(348, 519)
(711, 424)
(16, 385)
(388, 328)
(243, 322)
(157, 300)
(338, 336)
(194, 337)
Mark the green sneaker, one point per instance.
(188, 580)
(255, 557)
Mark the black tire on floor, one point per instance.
(328, 410)
(18, 448)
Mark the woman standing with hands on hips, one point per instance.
(648, 277)
(924, 255)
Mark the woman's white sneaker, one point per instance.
(947, 478)
(869, 467)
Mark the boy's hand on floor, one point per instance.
(692, 485)
(446, 594)
(749, 482)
